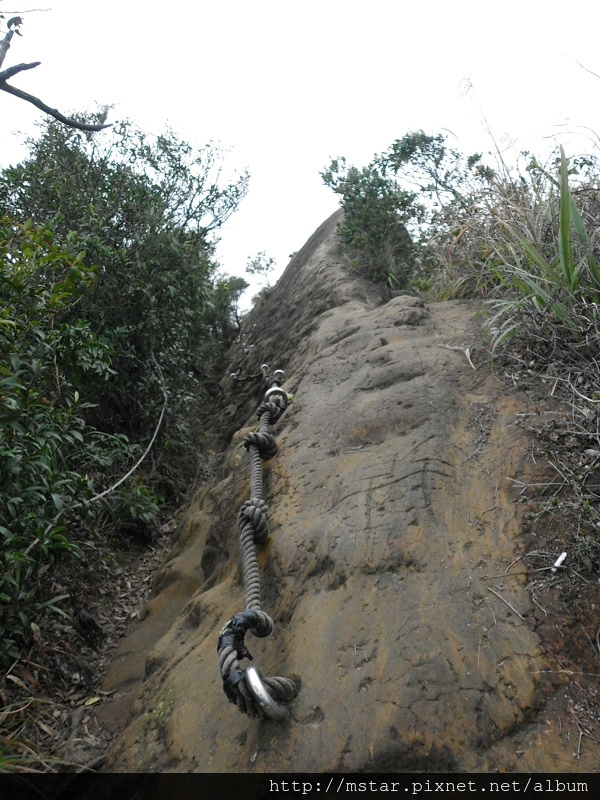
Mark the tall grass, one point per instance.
(525, 239)
(553, 281)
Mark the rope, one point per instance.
(253, 530)
(154, 435)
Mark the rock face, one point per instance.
(392, 526)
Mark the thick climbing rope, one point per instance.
(253, 694)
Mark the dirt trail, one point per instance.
(392, 569)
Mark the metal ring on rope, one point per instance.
(272, 709)
(255, 695)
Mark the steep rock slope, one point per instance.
(392, 526)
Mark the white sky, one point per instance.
(287, 86)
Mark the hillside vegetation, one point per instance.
(526, 240)
(113, 321)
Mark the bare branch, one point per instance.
(5, 45)
(8, 73)
(53, 112)
(595, 74)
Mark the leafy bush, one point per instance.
(41, 427)
(513, 235)
(419, 185)
(261, 265)
(145, 210)
(113, 322)
(372, 230)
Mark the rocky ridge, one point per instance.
(393, 568)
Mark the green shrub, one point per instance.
(145, 209)
(113, 324)
(41, 427)
(52, 463)
(372, 230)
(419, 185)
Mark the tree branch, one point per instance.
(8, 73)
(5, 45)
(53, 112)
(6, 87)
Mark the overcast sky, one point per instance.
(287, 86)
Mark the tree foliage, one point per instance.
(261, 265)
(145, 211)
(113, 322)
(410, 186)
(41, 427)
(372, 230)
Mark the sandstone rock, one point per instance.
(392, 524)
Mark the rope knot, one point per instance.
(267, 446)
(254, 512)
(274, 408)
(263, 625)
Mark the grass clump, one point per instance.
(549, 268)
